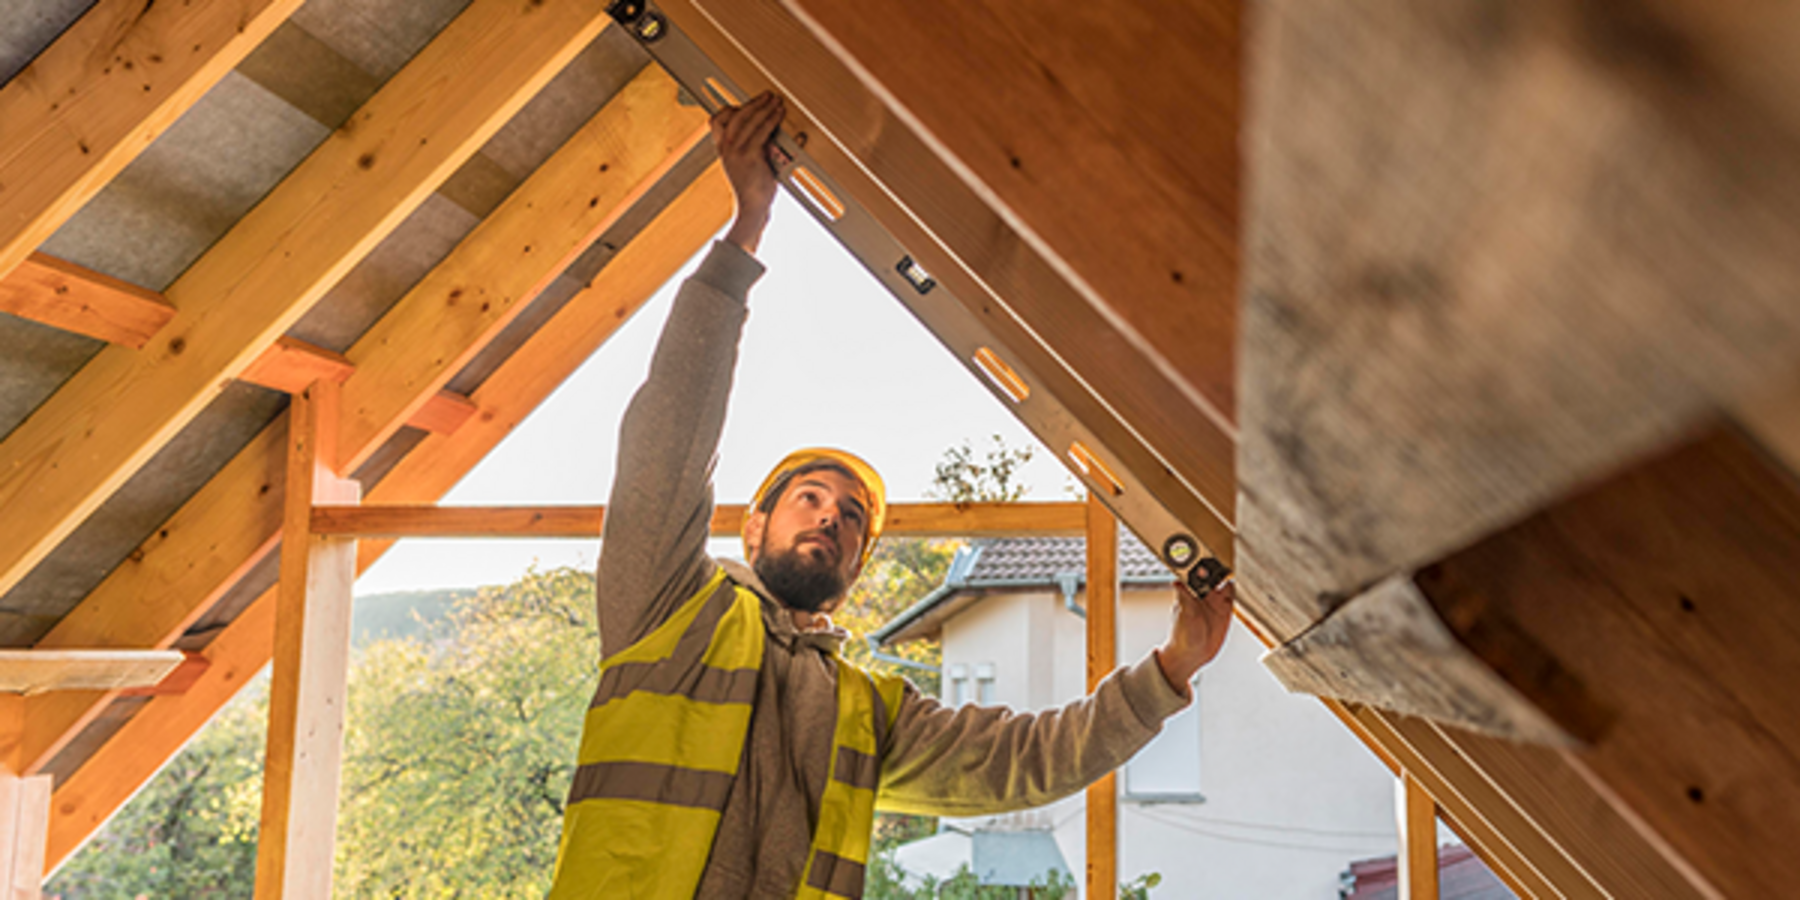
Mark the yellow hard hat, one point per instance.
(864, 473)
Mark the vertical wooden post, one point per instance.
(1102, 657)
(1418, 862)
(311, 663)
(24, 835)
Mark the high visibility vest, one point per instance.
(662, 746)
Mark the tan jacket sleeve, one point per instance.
(979, 760)
(653, 549)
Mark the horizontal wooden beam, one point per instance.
(904, 519)
(115, 771)
(60, 294)
(101, 93)
(290, 365)
(37, 671)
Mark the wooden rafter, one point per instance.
(63, 295)
(117, 768)
(1145, 228)
(122, 406)
(903, 519)
(94, 99)
(233, 520)
(291, 364)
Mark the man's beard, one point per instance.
(797, 580)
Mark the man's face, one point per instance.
(808, 549)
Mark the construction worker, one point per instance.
(730, 751)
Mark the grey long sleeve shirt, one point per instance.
(967, 760)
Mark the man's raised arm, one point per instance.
(653, 547)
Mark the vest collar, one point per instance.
(779, 619)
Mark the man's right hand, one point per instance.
(742, 135)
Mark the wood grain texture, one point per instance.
(514, 254)
(1102, 542)
(1106, 135)
(1668, 592)
(1418, 857)
(1390, 647)
(63, 295)
(88, 797)
(24, 823)
(1496, 251)
(308, 692)
(1003, 295)
(289, 365)
(94, 99)
(262, 275)
(37, 671)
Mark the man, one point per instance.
(729, 751)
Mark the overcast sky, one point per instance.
(829, 358)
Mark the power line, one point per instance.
(1234, 839)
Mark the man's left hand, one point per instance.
(1197, 633)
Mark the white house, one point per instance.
(1249, 793)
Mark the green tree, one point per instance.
(962, 478)
(191, 832)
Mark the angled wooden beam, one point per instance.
(267, 271)
(1418, 858)
(233, 520)
(94, 99)
(63, 295)
(308, 693)
(90, 795)
(289, 365)
(583, 189)
(1106, 137)
(1102, 657)
(36, 671)
(904, 519)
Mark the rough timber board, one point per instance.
(35, 671)
(1495, 251)
(1667, 593)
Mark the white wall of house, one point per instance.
(1287, 796)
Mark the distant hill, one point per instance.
(401, 614)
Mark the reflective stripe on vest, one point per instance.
(662, 745)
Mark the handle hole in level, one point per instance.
(719, 94)
(1096, 471)
(1002, 375)
(821, 196)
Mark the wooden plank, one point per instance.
(24, 824)
(94, 99)
(258, 279)
(1106, 136)
(1102, 657)
(1418, 858)
(220, 533)
(1388, 647)
(179, 680)
(1497, 253)
(36, 671)
(904, 519)
(307, 695)
(1667, 593)
(514, 254)
(88, 797)
(1176, 464)
(63, 295)
(289, 365)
